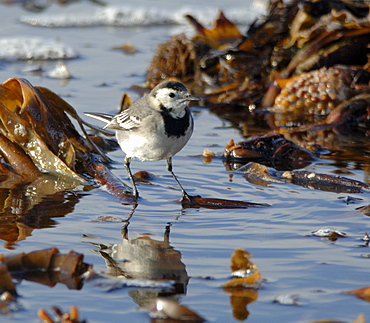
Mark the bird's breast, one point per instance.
(152, 145)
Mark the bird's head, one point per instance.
(171, 97)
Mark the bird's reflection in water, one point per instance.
(148, 259)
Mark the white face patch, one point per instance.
(171, 99)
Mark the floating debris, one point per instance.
(362, 293)
(245, 272)
(215, 203)
(367, 255)
(262, 175)
(60, 72)
(258, 174)
(364, 209)
(109, 218)
(271, 150)
(71, 317)
(324, 181)
(349, 199)
(287, 299)
(143, 176)
(243, 288)
(127, 49)
(207, 155)
(328, 232)
(366, 237)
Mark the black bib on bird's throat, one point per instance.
(176, 127)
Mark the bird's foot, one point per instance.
(188, 199)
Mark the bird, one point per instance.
(155, 127)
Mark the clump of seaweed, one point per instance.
(303, 71)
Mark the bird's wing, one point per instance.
(130, 118)
(124, 121)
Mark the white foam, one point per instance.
(127, 16)
(24, 48)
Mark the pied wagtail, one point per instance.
(155, 127)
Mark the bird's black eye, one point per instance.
(171, 95)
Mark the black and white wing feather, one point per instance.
(123, 121)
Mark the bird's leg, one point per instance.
(169, 168)
(127, 162)
(166, 237)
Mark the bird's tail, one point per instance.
(100, 116)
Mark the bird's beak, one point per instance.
(190, 97)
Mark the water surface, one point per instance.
(289, 259)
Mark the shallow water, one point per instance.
(289, 259)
